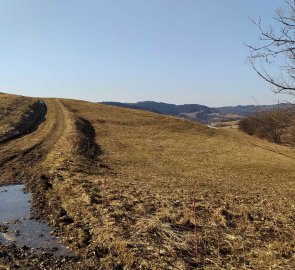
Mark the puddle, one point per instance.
(16, 226)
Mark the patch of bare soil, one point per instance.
(13, 257)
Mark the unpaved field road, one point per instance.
(19, 158)
(60, 147)
(21, 162)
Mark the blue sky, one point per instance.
(177, 51)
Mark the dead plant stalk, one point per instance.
(195, 221)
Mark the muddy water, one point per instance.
(17, 227)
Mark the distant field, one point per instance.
(127, 190)
(227, 124)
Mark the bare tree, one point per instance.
(270, 125)
(274, 59)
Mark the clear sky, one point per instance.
(177, 51)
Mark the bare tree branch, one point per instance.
(277, 50)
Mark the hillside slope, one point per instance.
(116, 184)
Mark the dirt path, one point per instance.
(63, 148)
(26, 152)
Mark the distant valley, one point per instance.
(197, 112)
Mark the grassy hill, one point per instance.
(131, 204)
(159, 160)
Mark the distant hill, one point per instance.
(129, 106)
(191, 111)
(163, 108)
(197, 112)
(245, 110)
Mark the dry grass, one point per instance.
(156, 161)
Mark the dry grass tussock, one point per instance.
(140, 213)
